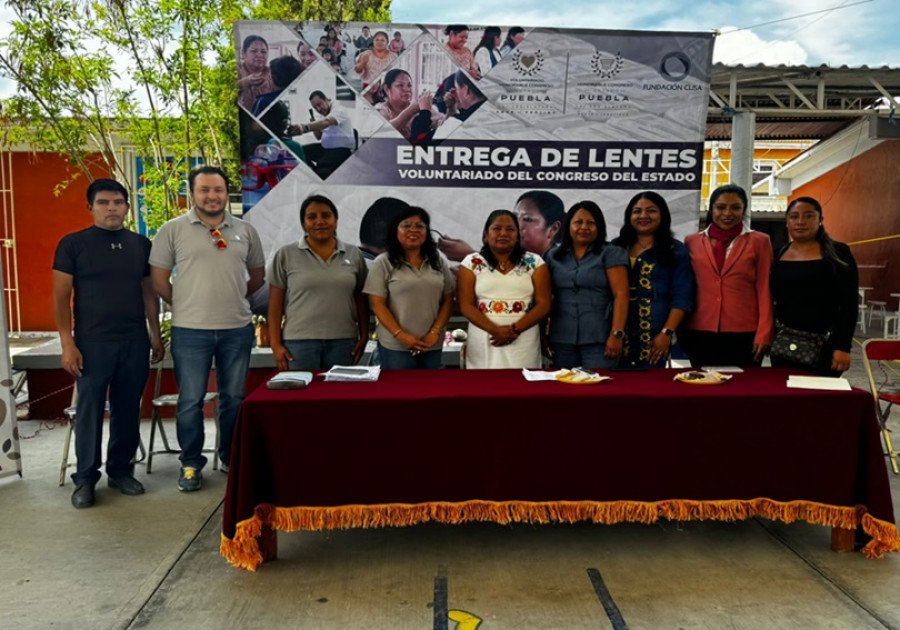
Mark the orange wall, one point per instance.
(861, 201)
(41, 219)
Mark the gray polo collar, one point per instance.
(339, 244)
(193, 217)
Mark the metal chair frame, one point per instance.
(71, 414)
(882, 351)
(156, 423)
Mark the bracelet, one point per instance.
(514, 329)
(399, 330)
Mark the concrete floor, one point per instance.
(152, 562)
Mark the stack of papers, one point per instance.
(290, 380)
(353, 373)
(818, 382)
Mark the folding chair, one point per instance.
(71, 415)
(156, 423)
(883, 352)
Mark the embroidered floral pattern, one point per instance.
(478, 263)
(504, 307)
(643, 340)
(526, 265)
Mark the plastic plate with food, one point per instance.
(579, 377)
(699, 377)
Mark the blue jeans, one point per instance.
(403, 360)
(193, 351)
(121, 368)
(319, 354)
(587, 355)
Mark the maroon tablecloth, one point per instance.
(468, 445)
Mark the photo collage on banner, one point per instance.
(462, 120)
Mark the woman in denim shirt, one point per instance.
(661, 280)
(590, 292)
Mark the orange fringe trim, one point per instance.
(243, 550)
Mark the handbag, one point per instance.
(799, 347)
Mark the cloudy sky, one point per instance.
(839, 32)
(853, 33)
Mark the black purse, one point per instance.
(799, 347)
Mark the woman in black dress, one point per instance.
(815, 287)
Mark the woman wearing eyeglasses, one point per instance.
(315, 286)
(411, 293)
(504, 291)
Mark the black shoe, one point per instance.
(190, 479)
(83, 497)
(126, 485)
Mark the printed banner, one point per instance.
(10, 455)
(462, 120)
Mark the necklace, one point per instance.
(639, 248)
(504, 265)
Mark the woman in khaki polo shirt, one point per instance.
(315, 287)
(411, 293)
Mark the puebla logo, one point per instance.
(606, 65)
(528, 64)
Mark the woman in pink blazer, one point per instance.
(732, 320)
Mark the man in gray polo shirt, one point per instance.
(217, 261)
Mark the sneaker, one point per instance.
(126, 485)
(83, 497)
(223, 468)
(190, 479)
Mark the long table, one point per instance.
(478, 445)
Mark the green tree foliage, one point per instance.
(152, 78)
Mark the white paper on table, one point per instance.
(818, 382)
(290, 379)
(722, 369)
(353, 373)
(540, 375)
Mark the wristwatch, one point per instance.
(668, 332)
(618, 334)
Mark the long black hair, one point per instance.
(489, 38)
(826, 245)
(396, 253)
(512, 32)
(518, 251)
(565, 245)
(663, 239)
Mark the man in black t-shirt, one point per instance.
(107, 268)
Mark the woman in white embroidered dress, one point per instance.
(504, 292)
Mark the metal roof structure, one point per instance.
(798, 102)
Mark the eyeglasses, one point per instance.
(216, 235)
(413, 226)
